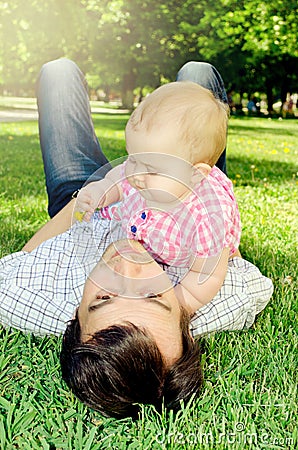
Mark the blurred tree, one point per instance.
(134, 42)
(35, 33)
(129, 44)
(252, 43)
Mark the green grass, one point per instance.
(30, 103)
(17, 102)
(249, 398)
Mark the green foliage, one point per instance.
(131, 44)
(250, 392)
(257, 39)
(35, 34)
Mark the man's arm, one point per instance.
(61, 222)
(244, 294)
(203, 281)
(64, 219)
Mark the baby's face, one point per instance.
(158, 166)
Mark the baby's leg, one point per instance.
(207, 76)
(70, 149)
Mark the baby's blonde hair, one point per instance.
(200, 118)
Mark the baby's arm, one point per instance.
(99, 194)
(203, 281)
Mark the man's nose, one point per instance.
(127, 277)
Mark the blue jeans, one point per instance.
(70, 149)
(207, 76)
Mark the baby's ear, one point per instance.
(200, 171)
(204, 168)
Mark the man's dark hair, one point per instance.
(121, 366)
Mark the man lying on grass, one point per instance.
(127, 340)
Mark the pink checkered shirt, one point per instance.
(204, 223)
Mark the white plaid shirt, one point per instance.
(39, 291)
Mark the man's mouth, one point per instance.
(130, 250)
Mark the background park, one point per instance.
(127, 48)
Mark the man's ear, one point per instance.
(75, 313)
(200, 171)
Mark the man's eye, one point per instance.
(103, 297)
(152, 295)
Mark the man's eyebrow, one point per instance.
(158, 302)
(101, 304)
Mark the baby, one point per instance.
(174, 200)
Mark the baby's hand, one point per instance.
(84, 206)
(89, 198)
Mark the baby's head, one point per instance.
(192, 117)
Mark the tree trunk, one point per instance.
(269, 97)
(107, 91)
(128, 85)
(283, 94)
(141, 96)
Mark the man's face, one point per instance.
(127, 285)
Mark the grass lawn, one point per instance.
(249, 399)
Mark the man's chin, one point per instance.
(128, 249)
